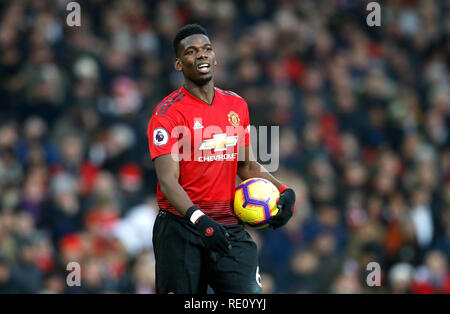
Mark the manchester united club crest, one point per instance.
(233, 118)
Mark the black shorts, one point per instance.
(184, 265)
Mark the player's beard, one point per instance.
(204, 80)
(200, 80)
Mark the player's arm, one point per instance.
(248, 168)
(168, 172)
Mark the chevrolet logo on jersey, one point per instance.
(219, 142)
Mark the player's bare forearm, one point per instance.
(176, 195)
(253, 169)
(248, 167)
(167, 171)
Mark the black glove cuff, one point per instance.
(193, 214)
(190, 211)
(290, 194)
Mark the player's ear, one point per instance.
(215, 62)
(177, 65)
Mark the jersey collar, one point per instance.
(184, 90)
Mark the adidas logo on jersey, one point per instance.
(197, 125)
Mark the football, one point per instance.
(255, 201)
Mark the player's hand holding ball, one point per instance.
(285, 206)
(213, 235)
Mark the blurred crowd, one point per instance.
(364, 116)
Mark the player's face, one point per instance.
(196, 59)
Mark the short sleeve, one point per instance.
(246, 125)
(162, 138)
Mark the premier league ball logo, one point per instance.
(160, 136)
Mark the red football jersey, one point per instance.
(206, 140)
